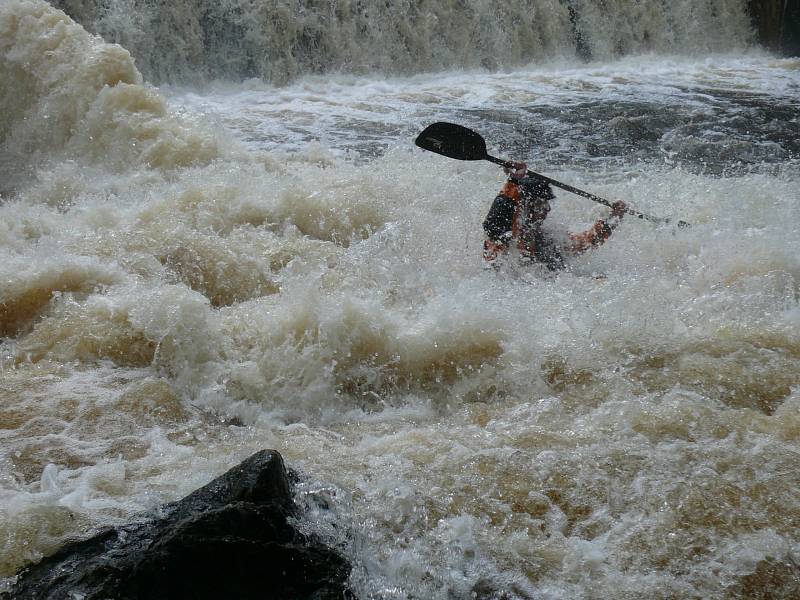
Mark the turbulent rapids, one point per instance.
(192, 274)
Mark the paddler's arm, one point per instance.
(599, 232)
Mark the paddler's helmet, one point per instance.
(535, 190)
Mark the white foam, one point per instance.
(514, 431)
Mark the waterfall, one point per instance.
(191, 41)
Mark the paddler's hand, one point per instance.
(618, 209)
(517, 170)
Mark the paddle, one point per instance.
(456, 141)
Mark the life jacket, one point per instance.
(526, 234)
(521, 212)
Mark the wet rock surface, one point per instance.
(228, 539)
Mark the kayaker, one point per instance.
(517, 215)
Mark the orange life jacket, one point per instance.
(530, 242)
(525, 243)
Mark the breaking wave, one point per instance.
(67, 94)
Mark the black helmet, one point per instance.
(535, 188)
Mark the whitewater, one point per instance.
(222, 246)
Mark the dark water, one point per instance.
(727, 128)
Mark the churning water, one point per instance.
(192, 274)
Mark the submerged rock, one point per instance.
(228, 539)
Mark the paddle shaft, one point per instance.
(574, 190)
(461, 143)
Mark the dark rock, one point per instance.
(778, 24)
(228, 539)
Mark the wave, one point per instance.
(69, 94)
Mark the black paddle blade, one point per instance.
(453, 141)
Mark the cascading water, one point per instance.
(279, 40)
(194, 273)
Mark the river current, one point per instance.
(193, 272)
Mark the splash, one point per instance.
(170, 307)
(69, 95)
